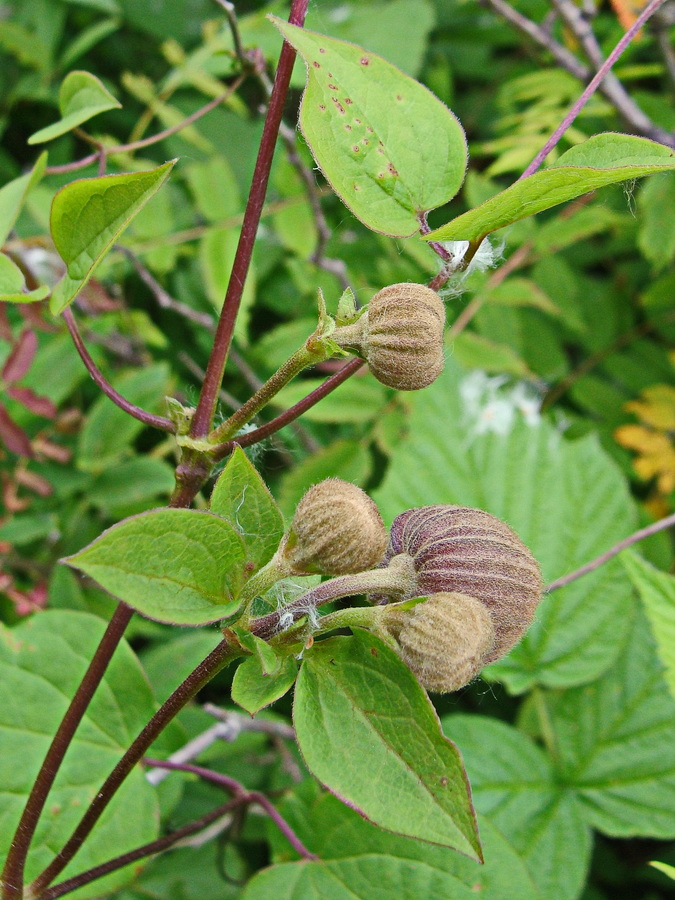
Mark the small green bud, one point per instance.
(336, 530)
(444, 640)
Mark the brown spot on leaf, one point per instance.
(332, 87)
(322, 107)
(356, 148)
(348, 127)
(444, 781)
(348, 101)
(392, 169)
(374, 652)
(365, 61)
(399, 97)
(316, 64)
(322, 49)
(369, 129)
(356, 187)
(357, 121)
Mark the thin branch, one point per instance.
(243, 796)
(661, 28)
(654, 528)
(219, 657)
(203, 417)
(153, 139)
(110, 392)
(150, 849)
(264, 431)
(12, 875)
(229, 726)
(336, 267)
(164, 299)
(542, 36)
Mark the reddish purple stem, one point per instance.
(106, 387)
(240, 793)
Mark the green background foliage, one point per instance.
(569, 740)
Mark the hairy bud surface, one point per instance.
(336, 530)
(469, 551)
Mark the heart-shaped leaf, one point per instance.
(81, 96)
(601, 160)
(389, 148)
(89, 215)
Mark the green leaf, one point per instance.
(108, 432)
(616, 743)
(89, 215)
(514, 783)
(13, 194)
(366, 862)
(253, 688)
(519, 292)
(665, 868)
(368, 732)
(134, 481)
(242, 497)
(41, 663)
(389, 148)
(81, 96)
(657, 592)
(12, 284)
(566, 500)
(177, 566)
(656, 235)
(473, 351)
(601, 160)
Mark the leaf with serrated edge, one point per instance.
(515, 784)
(657, 592)
(389, 148)
(41, 663)
(368, 731)
(601, 160)
(81, 97)
(242, 497)
(253, 688)
(566, 500)
(89, 215)
(178, 566)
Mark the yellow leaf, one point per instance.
(657, 408)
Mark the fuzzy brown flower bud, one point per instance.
(336, 530)
(404, 341)
(459, 549)
(444, 640)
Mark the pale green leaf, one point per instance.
(657, 592)
(473, 351)
(253, 688)
(601, 160)
(81, 96)
(177, 566)
(368, 731)
(519, 292)
(89, 215)
(12, 284)
(665, 868)
(13, 194)
(41, 663)
(356, 400)
(242, 497)
(472, 445)
(389, 148)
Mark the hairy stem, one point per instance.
(259, 434)
(12, 875)
(225, 652)
(110, 392)
(397, 579)
(203, 417)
